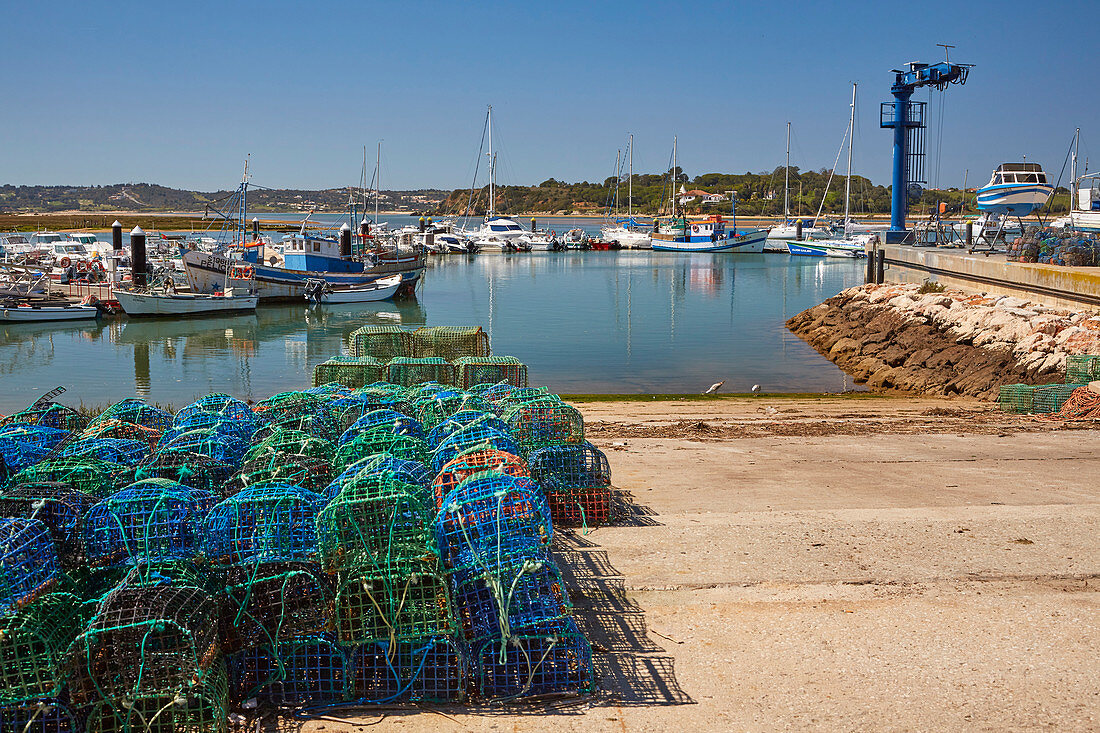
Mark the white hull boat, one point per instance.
(383, 289)
(183, 304)
(35, 314)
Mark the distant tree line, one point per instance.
(758, 194)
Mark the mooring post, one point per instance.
(137, 258)
(798, 230)
(969, 234)
(880, 267)
(255, 229)
(345, 241)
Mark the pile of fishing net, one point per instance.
(319, 549)
(1055, 246)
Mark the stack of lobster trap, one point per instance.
(389, 543)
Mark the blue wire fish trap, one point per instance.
(270, 603)
(42, 437)
(28, 561)
(264, 523)
(57, 506)
(420, 670)
(534, 666)
(115, 450)
(210, 422)
(18, 455)
(395, 422)
(151, 520)
(570, 465)
(462, 419)
(49, 715)
(524, 597)
(476, 436)
(301, 672)
(435, 408)
(492, 519)
(222, 405)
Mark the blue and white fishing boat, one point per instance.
(1016, 189)
(344, 262)
(678, 234)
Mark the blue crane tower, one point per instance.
(907, 120)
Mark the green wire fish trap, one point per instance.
(33, 642)
(449, 342)
(409, 371)
(1051, 397)
(376, 521)
(380, 342)
(544, 422)
(475, 370)
(137, 412)
(87, 475)
(409, 600)
(201, 708)
(1082, 368)
(380, 439)
(1016, 399)
(350, 371)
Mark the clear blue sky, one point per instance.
(178, 93)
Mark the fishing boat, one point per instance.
(847, 245)
(1015, 189)
(136, 303)
(321, 292)
(27, 313)
(342, 262)
(677, 234)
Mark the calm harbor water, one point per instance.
(631, 322)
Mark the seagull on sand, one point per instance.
(715, 387)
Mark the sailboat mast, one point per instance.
(851, 140)
(618, 175)
(377, 180)
(630, 180)
(787, 179)
(674, 165)
(1073, 172)
(492, 169)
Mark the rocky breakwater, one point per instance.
(894, 337)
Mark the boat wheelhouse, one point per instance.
(1016, 189)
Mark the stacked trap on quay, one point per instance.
(389, 543)
(1078, 398)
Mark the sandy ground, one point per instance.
(832, 564)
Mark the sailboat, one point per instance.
(677, 234)
(789, 229)
(626, 231)
(846, 246)
(496, 233)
